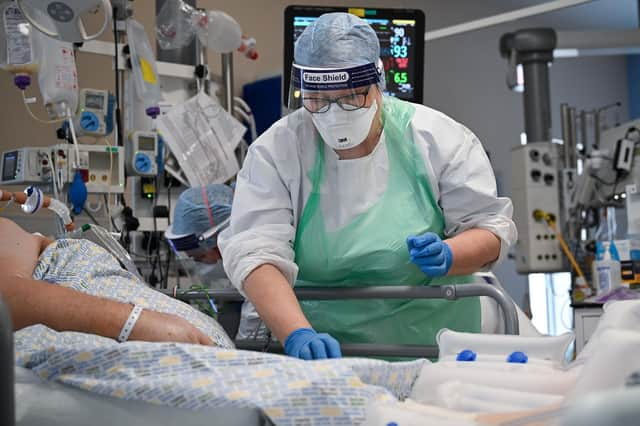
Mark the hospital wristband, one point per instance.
(127, 328)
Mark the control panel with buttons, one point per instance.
(25, 165)
(535, 187)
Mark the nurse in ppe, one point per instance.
(354, 188)
(201, 213)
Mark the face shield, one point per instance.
(198, 257)
(195, 246)
(316, 89)
(340, 101)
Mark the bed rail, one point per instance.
(448, 292)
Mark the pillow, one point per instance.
(618, 314)
(610, 363)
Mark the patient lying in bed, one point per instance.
(75, 285)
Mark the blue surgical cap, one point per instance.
(191, 215)
(337, 40)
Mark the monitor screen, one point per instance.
(401, 35)
(146, 143)
(9, 165)
(94, 101)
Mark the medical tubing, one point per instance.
(176, 175)
(551, 223)
(73, 137)
(110, 148)
(248, 118)
(54, 178)
(39, 120)
(245, 106)
(62, 211)
(117, 113)
(92, 209)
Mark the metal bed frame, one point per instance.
(448, 292)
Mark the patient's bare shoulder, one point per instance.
(19, 250)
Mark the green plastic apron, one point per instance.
(371, 250)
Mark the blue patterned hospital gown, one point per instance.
(288, 390)
(88, 268)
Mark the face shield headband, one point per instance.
(306, 80)
(186, 244)
(183, 245)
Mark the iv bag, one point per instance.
(174, 25)
(221, 34)
(145, 73)
(16, 42)
(58, 77)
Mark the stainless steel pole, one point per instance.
(227, 81)
(573, 125)
(566, 134)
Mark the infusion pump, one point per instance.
(142, 154)
(96, 112)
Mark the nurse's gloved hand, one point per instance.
(305, 343)
(432, 255)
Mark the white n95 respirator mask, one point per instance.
(342, 129)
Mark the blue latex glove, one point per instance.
(432, 255)
(305, 343)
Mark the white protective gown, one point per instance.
(273, 186)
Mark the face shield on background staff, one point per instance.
(199, 217)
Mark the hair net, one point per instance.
(337, 40)
(191, 215)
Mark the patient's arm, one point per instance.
(37, 302)
(63, 309)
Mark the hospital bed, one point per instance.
(609, 365)
(447, 292)
(41, 402)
